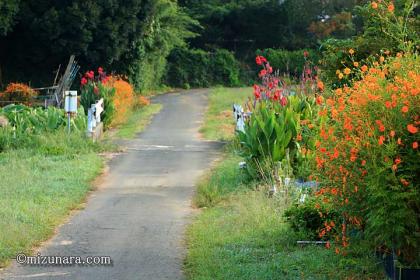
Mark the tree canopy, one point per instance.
(290, 24)
(108, 33)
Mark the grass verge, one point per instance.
(137, 121)
(225, 178)
(219, 123)
(245, 236)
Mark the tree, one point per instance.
(114, 34)
(8, 10)
(246, 25)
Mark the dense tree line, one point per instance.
(136, 37)
(127, 36)
(247, 25)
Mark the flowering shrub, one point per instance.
(95, 87)
(19, 93)
(274, 130)
(390, 27)
(368, 158)
(123, 98)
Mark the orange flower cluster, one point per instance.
(18, 92)
(372, 129)
(123, 98)
(386, 4)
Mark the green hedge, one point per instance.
(198, 68)
(289, 62)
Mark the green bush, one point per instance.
(289, 62)
(305, 218)
(198, 68)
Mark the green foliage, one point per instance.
(382, 32)
(8, 9)
(271, 132)
(247, 25)
(131, 37)
(289, 62)
(27, 125)
(198, 68)
(166, 26)
(305, 218)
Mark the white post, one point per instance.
(94, 116)
(93, 109)
(90, 121)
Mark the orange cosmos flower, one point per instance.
(347, 71)
(392, 133)
(374, 5)
(412, 129)
(415, 145)
(381, 127)
(356, 64)
(382, 59)
(381, 140)
(364, 68)
(319, 100)
(340, 76)
(391, 8)
(404, 109)
(405, 182)
(320, 85)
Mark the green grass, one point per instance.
(225, 178)
(219, 123)
(245, 236)
(39, 185)
(137, 121)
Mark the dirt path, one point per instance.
(138, 215)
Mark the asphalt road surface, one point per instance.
(138, 215)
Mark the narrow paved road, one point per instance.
(139, 214)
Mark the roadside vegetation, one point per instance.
(329, 158)
(242, 233)
(45, 171)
